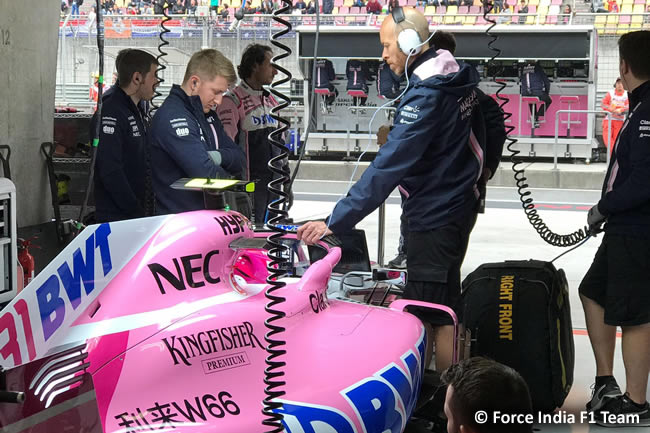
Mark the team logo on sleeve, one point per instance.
(108, 125)
(182, 132)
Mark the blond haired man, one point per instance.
(184, 142)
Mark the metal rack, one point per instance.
(68, 178)
(73, 115)
(8, 249)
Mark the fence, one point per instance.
(78, 57)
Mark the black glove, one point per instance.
(595, 220)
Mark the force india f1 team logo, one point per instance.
(382, 402)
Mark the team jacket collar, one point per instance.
(640, 94)
(193, 103)
(248, 89)
(433, 63)
(128, 102)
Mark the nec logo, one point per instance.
(265, 119)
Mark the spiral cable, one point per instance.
(150, 200)
(100, 93)
(277, 267)
(525, 196)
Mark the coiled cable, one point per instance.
(278, 253)
(150, 199)
(525, 196)
(100, 92)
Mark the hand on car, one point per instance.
(313, 231)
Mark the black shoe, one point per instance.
(622, 412)
(398, 262)
(604, 393)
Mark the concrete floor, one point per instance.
(503, 233)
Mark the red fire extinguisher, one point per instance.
(26, 260)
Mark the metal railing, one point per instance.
(569, 122)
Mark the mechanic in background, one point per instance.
(428, 154)
(184, 144)
(120, 179)
(246, 116)
(478, 385)
(617, 104)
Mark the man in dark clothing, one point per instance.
(324, 76)
(184, 144)
(328, 6)
(534, 82)
(121, 153)
(488, 123)
(614, 292)
(429, 140)
(357, 74)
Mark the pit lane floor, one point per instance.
(503, 233)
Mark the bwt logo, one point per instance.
(382, 402)
(265, 119)
(53, 304)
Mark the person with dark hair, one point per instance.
(328, 6)
(120, 181)
(245, 113)
(310, 9)
(617, 104)
(534, 82)
(523, 11)
(224, 11)
(373, 7)
(614, 292)
(482, 385)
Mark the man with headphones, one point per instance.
(432, 157)
(185, 143)
(121, 155)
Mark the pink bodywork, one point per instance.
(180, 346)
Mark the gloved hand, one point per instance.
(215, 156)
(595, 220)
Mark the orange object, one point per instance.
(616, 128)
(616, 103)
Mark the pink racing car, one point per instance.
(158, 324)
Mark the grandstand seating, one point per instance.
(547, 12)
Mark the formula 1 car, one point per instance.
(158, 324)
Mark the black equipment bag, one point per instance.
(518, 314)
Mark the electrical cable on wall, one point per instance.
(525, 196)
(277, 267)
(100, 92)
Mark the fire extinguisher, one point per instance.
(26, 260)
